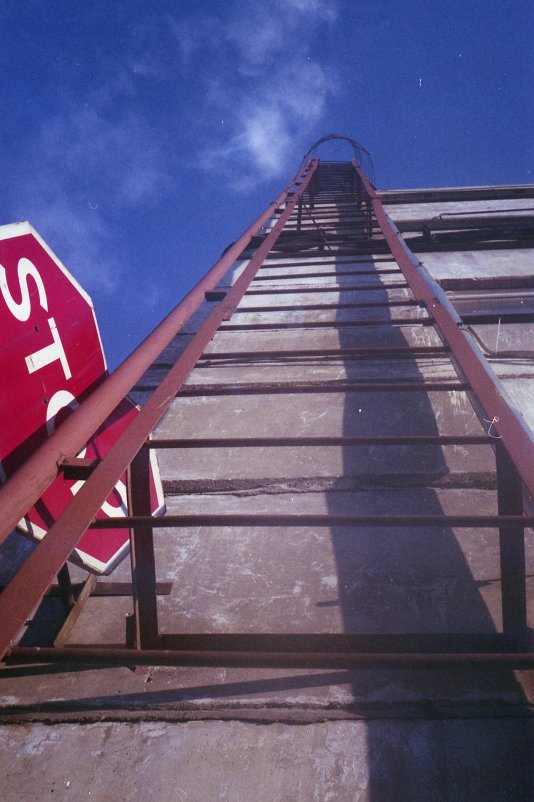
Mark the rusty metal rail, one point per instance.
(257, 658)
(300, 519)
(516, 436)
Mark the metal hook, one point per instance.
(492, 423)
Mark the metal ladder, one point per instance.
(327, 222)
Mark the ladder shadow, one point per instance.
(422, 581)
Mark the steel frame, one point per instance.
(514, 450)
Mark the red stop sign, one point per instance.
(51, 358)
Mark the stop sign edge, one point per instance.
(14, 230)
(17, 231)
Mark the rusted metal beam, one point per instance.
(144, 586)
(367, 351)
(283, 388)
(302, 288)
(330, 324)
(297, 519)
(245, 310)
(66, 591)
(512, 547)
(277, 260)
(273, 442)
(77, 467)
(263, 659)
(335, 274)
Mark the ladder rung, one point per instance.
(291, 388)
(318, 307)
(394, 285)
(274, 442)
(384, 272)
(269, 520)
(328, 324)
(369, 351)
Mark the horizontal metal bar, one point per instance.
(301, 249)
(264, 659)
(484, 287)
(336, 274)
(292, 388)
(262, 520)
(245, 310)
(270, 442)
(302, 288)
(77, 467)
(511, 316)
(300, 243)
(370, 351)
(277, 260)
(352, 222)
(329, 324)
(349, 212)
(468, 241)
(330, 220)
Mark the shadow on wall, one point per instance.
(397, 580)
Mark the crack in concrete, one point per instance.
(254, 487)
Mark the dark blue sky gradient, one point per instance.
(141, 138)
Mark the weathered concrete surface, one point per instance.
(296, 317)
(479, 264)
(438, 761)
(316, 370)
(303, 294)
(427, 368)
(332, 414)
(378, 336)
(418, 211)
(322, 265)
(319, 579)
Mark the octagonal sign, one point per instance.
(51, 357)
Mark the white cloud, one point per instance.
(321, 9)
(283, 90)
(254, 91)
(279, 27)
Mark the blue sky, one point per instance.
(140, 138)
